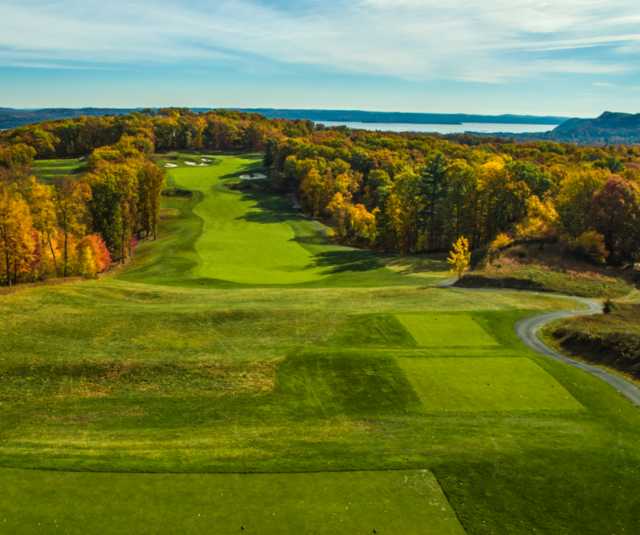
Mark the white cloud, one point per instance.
(479, 40)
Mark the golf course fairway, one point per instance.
(245, 374)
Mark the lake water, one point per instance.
(446, 128)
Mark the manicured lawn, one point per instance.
(486, 384)
(434, 330)
(403, 502)
(224, 237)
(48, 170)
(243, 371)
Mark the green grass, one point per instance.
(134, 402)
(224, 237)
(373, 330)
(436, 330)
(320, 503)
(486, 384)
(49, 170)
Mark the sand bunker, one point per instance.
(253, 176)
(190, 163)
(170, 164)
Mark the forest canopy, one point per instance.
(404, 193)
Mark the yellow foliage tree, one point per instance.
(502, 241)
(17, 236)
(460, 257)
(339, 210)
(541, 220)
(362, 223)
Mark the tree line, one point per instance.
(80, 224)
(414, 193)
(406, 193)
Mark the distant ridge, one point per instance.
(610, 128)
(11, 118)
(402, 117)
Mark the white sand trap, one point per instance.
(253, 176)
(170, 165)
(190, 163)
(205, 160)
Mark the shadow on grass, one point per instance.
(347, 260)
(269, 208)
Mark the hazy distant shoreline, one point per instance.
(446, 128)
(10, 117)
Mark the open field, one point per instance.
(183, 395)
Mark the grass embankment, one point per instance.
(610, 339)
(529, 268)
(339, 402)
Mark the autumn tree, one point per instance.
(616, 215)
(41, 200)
(460, 257)
(70, 199)
(541, 221)
(150, 183)
(17, 243)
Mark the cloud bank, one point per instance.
(489, 41)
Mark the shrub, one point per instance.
(590, 245)
(501, 242)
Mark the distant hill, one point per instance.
(11, 118)
(609, 128)
(360, 116)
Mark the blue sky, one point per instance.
(564, 57)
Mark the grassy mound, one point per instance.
(548, 270)
(610, 339)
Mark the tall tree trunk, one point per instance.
(7, 263)
(66, 253)
(53, 253)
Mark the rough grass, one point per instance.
(486, 384)
(573, 279)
